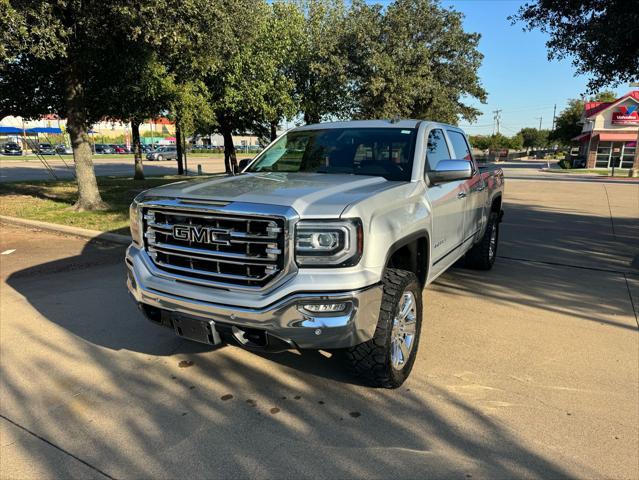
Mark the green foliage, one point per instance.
(567, 124)
(496, 142)
(600, 36)
(237, 65)
(534, 138)
(320, 71)
(412, 59)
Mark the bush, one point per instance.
(564, 163)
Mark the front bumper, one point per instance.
(284, 319)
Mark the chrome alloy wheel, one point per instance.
(404, 330)
(492, 245)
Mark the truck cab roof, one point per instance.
(385, 123)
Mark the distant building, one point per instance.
(158, 130)
(609, 134)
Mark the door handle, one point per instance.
(461, 195)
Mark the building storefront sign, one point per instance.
(626, 116)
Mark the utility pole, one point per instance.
(554, 114)
(497, 119)
(539, 122)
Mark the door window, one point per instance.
(436, 148)
(460, 146)
(628, 155)
(604, 150)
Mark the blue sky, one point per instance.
(515, 72)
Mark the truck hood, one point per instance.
(310, 194)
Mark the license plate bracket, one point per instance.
(198, 330)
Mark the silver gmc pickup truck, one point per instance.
(324, 241)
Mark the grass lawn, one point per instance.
(50, 201)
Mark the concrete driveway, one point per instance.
(530, 370)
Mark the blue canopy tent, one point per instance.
(51, 130)
(10, 130)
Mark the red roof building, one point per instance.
(610, 133)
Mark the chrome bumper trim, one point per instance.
(285, 318)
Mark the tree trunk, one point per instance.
(137, 149)
(230, 159)
(88, 194)
(178, 145)
(185, 148)
(310, 118)
(273, 130)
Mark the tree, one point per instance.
(320, 73)
(253, 87)
(142, 91)
(412, 59)
(534, 138)
(496, 142)
(285, 39)
(55, 63)
(567, 124)
(599, 35)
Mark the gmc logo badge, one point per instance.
(193, 233)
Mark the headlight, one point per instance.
(134, 222)
(333, 243)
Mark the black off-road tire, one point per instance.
(371, 360)
(480, 256)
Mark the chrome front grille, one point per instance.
(218, 249)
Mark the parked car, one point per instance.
(163, 153)
(102, 148)
(324, 241)
(119, 148)
(12, 148)
(63, 150)
(46, 149)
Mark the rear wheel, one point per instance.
(387, 359)
(483, 254)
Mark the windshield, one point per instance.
(380, 152)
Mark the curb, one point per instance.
(75, 231)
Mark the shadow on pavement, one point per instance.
(168, 423)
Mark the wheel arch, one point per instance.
(411, 253)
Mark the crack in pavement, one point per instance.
(559, 264)
(51, 444)
(582, 267)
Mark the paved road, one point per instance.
(529, 370)
(532, 170)
(14, 170)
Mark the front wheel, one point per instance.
(387, 359)
(160, 158)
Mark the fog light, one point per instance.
(325, 307)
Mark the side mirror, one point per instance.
(450, 170)
(243, 164)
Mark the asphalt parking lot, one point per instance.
(530, 370)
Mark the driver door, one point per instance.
(448, 201)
